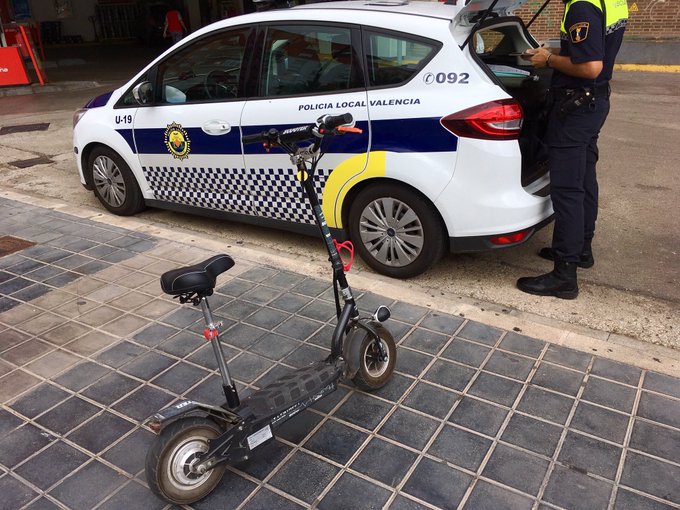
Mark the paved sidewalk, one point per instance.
(475, 417)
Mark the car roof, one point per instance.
(415, 8)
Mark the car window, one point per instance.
(395, 58)
(309, 59)
(206, 70)
(494, 41)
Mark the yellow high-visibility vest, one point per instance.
(616, 13)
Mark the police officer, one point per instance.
(590, 37)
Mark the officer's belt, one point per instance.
(601, 90)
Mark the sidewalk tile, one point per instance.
(411, 314)
(568, 357)
(479, 416)
(496, 389)
(38, 400)
(298, 427)
(81, 375)
(265, 499)
(509, 365)
(531, 434)
(590, 455)
(362, 410)
(409, 428)
(14, 493)
(52, 464)
(429, 399)
(486, 496)
(516, 469)
(180, 378)
(371, 497)
(616, 371)
(383, 461)
(521, 344)
(609, 394)
(600, 422)
(133, 496)
(480, 333)
(627, 500)
(26, 352)
(110, 388)
(466, 352)
(336, 441)
(304, 476)
(91, 343)
(460, 447)
(100, 432)
(437, 484)
(570, 489)
(120, 354)
(426, 341)
(450, 375)
(21, 443)
(662, 384)
(88, 486)
(660, 409)
(67, 415)
(652, 476)
(656, 440)
(411, 362)
(143, 403)
(558, 379)
(129, 454)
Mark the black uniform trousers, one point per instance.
(572, 157)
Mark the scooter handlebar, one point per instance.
(331, 122)
(324, 126)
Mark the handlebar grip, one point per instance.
(257, 137)
(333, 121)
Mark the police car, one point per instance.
(450, 158)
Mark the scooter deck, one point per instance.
(277, 401)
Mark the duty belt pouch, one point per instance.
(573, 101)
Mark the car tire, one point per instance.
(396, 231)
(114, 183)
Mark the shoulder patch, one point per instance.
(579, 32)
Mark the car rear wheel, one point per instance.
(395, 230)
(114, 184)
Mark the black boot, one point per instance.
(586, 261)
(560, 282)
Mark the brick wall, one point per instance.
(648, 19)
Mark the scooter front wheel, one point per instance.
(374, 372)
(171, 456)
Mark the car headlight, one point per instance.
(78, 114)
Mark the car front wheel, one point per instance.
(395, 230)
(114, 184)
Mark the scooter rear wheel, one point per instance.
(373, 372)
(171, 455)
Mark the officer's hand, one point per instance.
(539, 57)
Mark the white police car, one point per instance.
(450, 157)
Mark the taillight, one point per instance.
(495, 120)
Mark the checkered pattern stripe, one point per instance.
(267, 192)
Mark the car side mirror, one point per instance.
(143, 93)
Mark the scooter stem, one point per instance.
(227, 383)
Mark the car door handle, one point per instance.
(216, 127)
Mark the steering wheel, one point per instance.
(219, 84)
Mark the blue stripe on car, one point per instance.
(400, 135)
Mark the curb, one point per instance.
(605, 344)
(648, 68)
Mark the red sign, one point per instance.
(12, 69)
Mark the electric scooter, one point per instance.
(195, 441)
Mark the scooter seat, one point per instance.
(199, 278)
